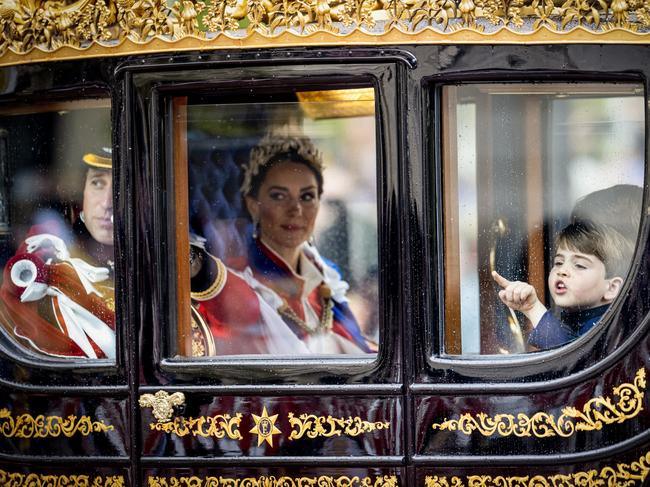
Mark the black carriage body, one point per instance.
(412, 387)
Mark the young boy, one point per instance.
(587, 274)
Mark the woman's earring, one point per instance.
(312, 240)
(255, 227)
(82, 217)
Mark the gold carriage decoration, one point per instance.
(224, 425)
(34, 30)
(628, 474)
(19, 479)
(272, 481)
(596, 413)
(27, 426)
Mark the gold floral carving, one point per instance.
(271, 481)
(620, 474)
(162, 404)
(34, 27)
(314, 426)
(15, 479)
(28, 426)
(595, 413)
(218, 426)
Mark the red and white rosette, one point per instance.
(29, 275)
(29, 278)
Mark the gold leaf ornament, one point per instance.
(620, 12)
(17, 479)
(256, 11)
(223, 16)
(45, 26)
(218, 426)
(628, 474)
(543, 10)
(162, 404)
(273, 481)
(41, 426)
(596, 413)
(466, 9)
(7, 10)
(430, 11)
(314, 426)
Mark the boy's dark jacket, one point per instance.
(552, 332)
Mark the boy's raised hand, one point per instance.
(520, 296)
(515, 294)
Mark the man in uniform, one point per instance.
(57, 295)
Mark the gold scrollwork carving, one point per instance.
(314, 426)
(596, 413)
(272, 481)
(37, 26)
(218, 426)
(28, 426)
(15, 479)
(162, 404)
(621, 474)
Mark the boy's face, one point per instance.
(577, 281)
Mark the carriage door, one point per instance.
(258, 368)
(542, 175)
(64, 416)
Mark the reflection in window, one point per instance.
(56, 229)
(543, 192)
(283, 226)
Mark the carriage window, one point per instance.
(56, 229)
(542, 203)
(280, 197)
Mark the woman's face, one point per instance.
(286, 206)
(98, 205)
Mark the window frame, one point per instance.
(48, 101)
(536, 173)
(154, 90)
(470, 372)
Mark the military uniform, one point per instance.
(57, 295)
(57, 299)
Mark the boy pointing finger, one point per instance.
(520, 296)
(586, 276)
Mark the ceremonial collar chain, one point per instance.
(327, 318)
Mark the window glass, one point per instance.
(56, 229)
(282, 213)
(542, 203)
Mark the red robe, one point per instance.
(40, 325)
(234, 313)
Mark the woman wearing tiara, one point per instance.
(282, 297)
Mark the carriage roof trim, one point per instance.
(42, 30)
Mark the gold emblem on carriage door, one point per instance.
(265, 427)
(162, 404)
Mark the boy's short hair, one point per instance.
(618, 206)
(609, 246)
